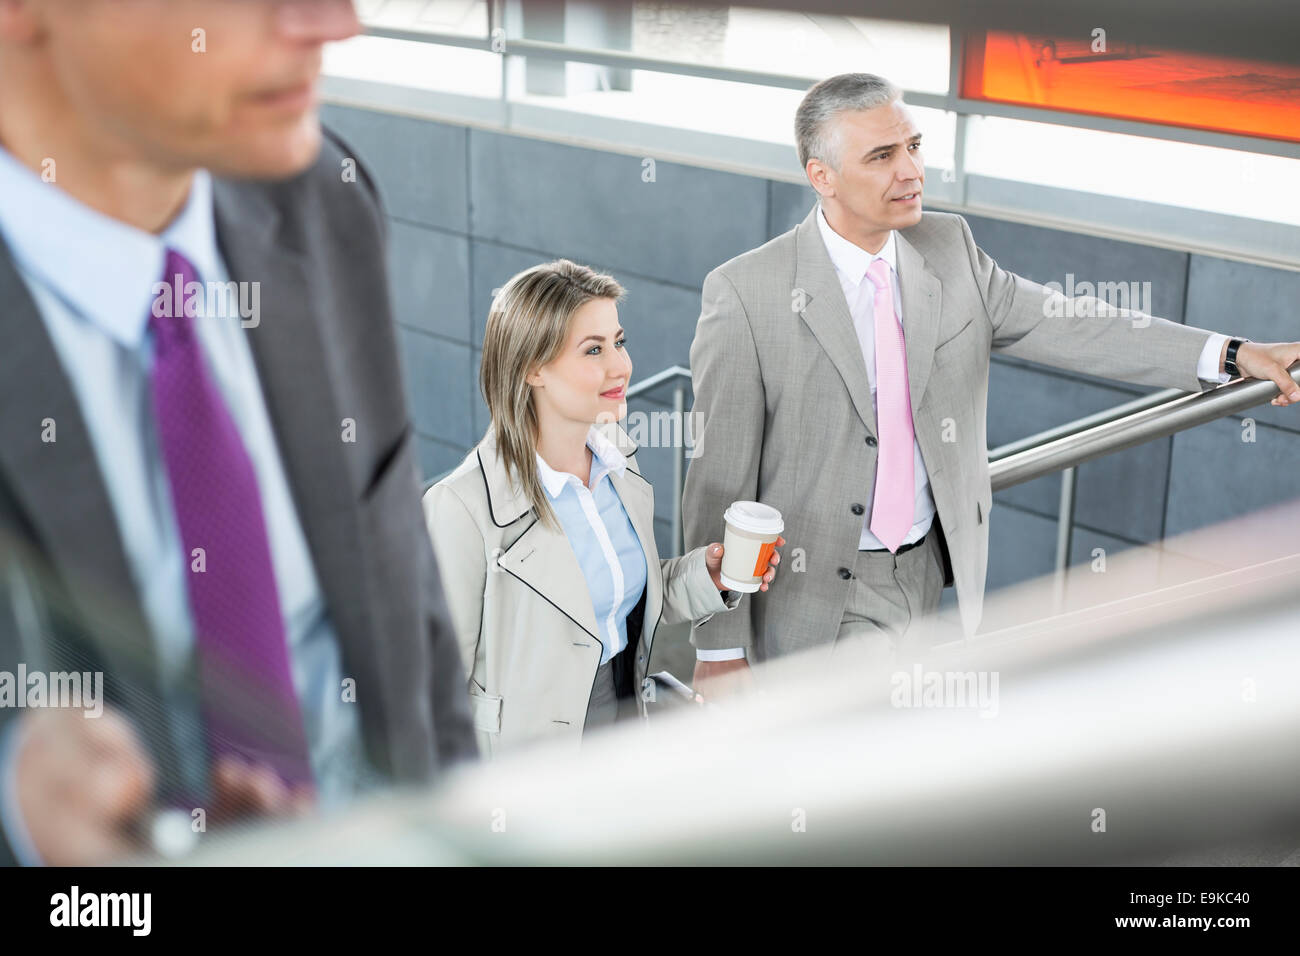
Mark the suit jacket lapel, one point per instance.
(545, 561)
(827, 315)
(63, 504)
(922, 295)
(817, 289)
(59, 487)
(540, 557)
(294, 370)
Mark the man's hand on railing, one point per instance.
(1270, 360)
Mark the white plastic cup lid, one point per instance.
(754, 517)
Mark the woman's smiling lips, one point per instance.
(614, 393)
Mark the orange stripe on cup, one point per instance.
(764, 556)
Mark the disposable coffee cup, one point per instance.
(748, 543)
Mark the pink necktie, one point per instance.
(895, 499)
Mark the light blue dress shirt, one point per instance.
(603, 539)
(92, 279)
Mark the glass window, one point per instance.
(742, 110)
(467, 17)
(415, 64)
(785, 42)
(1228, 181)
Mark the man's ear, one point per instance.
(819, 177)
(18, 22)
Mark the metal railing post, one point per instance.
(679, 467)
(1064, 535)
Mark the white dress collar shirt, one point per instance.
(851, 262)
(605, 458)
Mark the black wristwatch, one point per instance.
(1230, 359)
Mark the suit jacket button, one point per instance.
(871, 440)
(845, 573)
(857, 509)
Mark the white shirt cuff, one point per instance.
(726, 654)
(11, 817)
(1207, 367)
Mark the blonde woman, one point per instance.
(545, 532)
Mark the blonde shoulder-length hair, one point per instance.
(527, 327)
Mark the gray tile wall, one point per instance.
(469, 208)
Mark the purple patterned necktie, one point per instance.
(249, 704)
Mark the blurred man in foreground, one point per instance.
(206, 459)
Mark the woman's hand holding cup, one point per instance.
(747, 559)
(713, 560)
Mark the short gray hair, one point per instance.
(815, 133)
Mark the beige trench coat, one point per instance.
(521, 607)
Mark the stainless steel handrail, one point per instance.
(1088, 421)
(658, 378)
(1048, 454)
(1062, 448)
(1069, 476)
(1143, 420)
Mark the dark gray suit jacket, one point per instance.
(325, 351)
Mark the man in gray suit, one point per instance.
(209, 493)
(841, 375)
